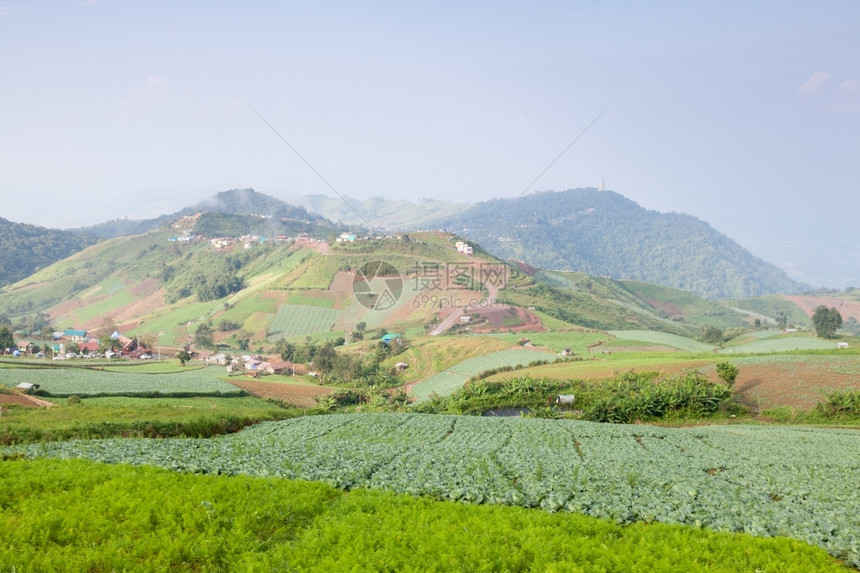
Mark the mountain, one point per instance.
(258, 292)
(604, 233)
(235, 202)
(26, 248)
(381, 213)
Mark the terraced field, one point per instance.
(446, 382)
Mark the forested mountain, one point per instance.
(604, 233)
(26, 248)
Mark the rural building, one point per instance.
(91, 345)
(281, 367)
(23, 345)
(841, 345)
(75, 335)
(388, 338)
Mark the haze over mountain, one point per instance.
(231, 202)
(586, 230)
(604, 233)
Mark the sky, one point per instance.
(745, 115)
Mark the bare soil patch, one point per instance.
(799, 385)
(670, 309)
(810, 303)
(16, 400)
(299, 394)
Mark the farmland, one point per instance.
(97, 382)
(300, 320)
(76, 515)
(765, 481)
(455, 376)
(140, 417)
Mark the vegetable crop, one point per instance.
(766, 481)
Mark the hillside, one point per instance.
(603, 233)
(289, 288)
(27, 248)
(279, 216)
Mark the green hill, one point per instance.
(603, 233)
(26, 248)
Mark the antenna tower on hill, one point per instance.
(602, 182)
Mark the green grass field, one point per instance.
(73, 515)
(129, 416)
(453, 377)
(577, 342)
(662, 338)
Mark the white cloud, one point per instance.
(815, 83)
(850, 87)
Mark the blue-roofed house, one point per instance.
(389, 337)
(75, 335)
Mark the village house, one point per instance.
(71, 335)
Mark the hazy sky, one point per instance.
(746, 115)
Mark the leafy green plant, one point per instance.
(727, 372)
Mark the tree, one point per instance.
(826, 321)
(6, 339)
(147, 340)
(727, 372)
(781, 319)
(287, 350)
(183, 356)
(712, 335)
(203, 336)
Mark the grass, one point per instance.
(124, 416)
(446, 382)
(663, 338)
(302, 299)
(577, 341)
(429, 355)
(800, 341)
(610, 365)
(74, 515)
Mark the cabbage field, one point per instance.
(764, 480)
(95, 382)
(300, 320)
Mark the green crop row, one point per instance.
(80, 516)
(298, 320)
(766, 481)
(92, 382)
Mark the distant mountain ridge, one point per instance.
(586, 230)
(231, 202)
(26, 248)
(604, 233)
